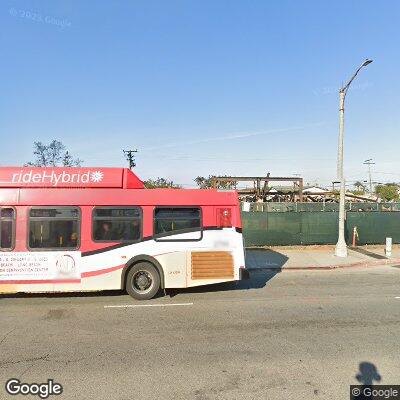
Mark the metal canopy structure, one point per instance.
(261, 187)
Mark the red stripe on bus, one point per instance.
(101, 271)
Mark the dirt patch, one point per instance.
(57, 314)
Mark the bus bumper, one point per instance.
(243, 274)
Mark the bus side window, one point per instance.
(7, 228)
(117, 224)
(54, 228)
(176, 220)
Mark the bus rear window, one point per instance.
(53, 228)
(176, 220)
(7, 228)
(117, 224)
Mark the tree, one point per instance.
(207, 183)
(53, 154)
(161, 183)
(388, 192)
(67, 160)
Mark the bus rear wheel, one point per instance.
(143, 281)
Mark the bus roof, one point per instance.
(96, 186)
(59, 177)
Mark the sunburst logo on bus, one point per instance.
(96, 176)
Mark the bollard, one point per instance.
(355, 236)
(388, 249)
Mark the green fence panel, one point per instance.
(373, 227)
(284, 228)
(313, 227)
(319, 227)
(267, 229)
(255, 228)
(263, 229)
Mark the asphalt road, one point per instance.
(293, 335)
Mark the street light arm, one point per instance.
(364, 64)
(344, 88)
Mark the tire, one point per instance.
(143, 281)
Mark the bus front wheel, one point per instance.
(143, 281)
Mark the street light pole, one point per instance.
(341, 247)
(342, 95)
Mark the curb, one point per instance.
(359, 264)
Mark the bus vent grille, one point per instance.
(212, 265)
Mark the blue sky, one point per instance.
(203, 87)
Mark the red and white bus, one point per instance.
(85, 229)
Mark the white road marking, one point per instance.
(149, 305)
(397, 297)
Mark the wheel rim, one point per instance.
(142, 282)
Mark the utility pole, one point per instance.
(369, 163)
(130, 157)
(341, 247)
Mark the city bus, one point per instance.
(92, 229)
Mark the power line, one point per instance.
(369, 162)
(130, 157)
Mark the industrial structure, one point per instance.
(264, 189)
(261, 190)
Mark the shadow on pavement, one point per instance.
(99, 293)
(258, 279)
(265, 259)
(368, 253)
(62, 294)
(367, 375)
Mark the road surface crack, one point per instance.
(6, 335)
(25, 360)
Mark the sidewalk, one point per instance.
(317, 257)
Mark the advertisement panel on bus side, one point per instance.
(44, 265)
